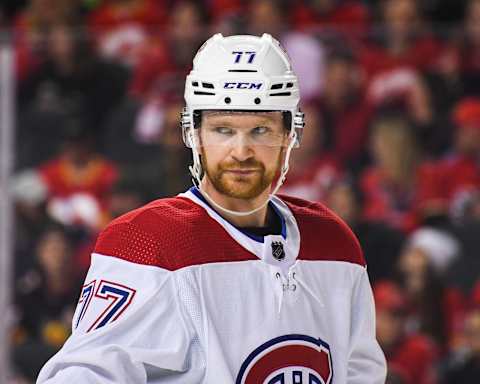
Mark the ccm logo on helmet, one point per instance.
(242, 85)
(289, 359)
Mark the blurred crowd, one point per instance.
(391, 92)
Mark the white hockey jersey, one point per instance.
(177, 294)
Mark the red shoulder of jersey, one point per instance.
(169, 233)
(323, 235)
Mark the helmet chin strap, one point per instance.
(196, 172)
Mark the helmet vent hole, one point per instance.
(289, 85)
(195, 83)
(228, 100)
(207, 85)
(242, 70)
(277, 86)
(257, 100)
(281, 94)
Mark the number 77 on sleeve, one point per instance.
(119, 297)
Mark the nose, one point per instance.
(241, 150)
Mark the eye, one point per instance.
(260, 130)
(223, 130)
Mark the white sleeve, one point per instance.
(366, 363)
(127, 324)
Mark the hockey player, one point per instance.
(228, 283)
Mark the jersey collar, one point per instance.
(260, 239)
(268, 248)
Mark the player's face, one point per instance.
(242, 152)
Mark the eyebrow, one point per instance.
(220, 120)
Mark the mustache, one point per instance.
(239, 165)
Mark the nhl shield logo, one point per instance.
(277, 250)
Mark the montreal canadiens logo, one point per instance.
(289, 359)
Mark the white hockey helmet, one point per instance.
(241, 73)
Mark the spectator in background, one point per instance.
(29, 193)
(466, 369)
(125, 197)
(394, 63)
(225, 12)
(71, 79)
(170, 54)
(79, 180)
(162, 173)
(411, 356)
(440, 246)
(401, 42)
(31, 27)
(186, 31)
(41, 15)
(379, 242)
(127, 194)
(111, 14)
(175, 155)
(465, 271)
(456, 74)
(350, 18)
(403, 91)
(312, 170)
(461, 167)
(470, 41)
(149, 149)
(345, 113)
(400, 187)
(447, 84)
(308, 62)
(123, 29)
(306, 52)
(435, 309)
(460, 178)
(390, 185)
(267, 16)
(45, 300)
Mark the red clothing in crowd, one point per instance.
(123, 30)
(26, 58)
(313, 181)
(111, 14)
(422, 54)
(453, 311)
(455, 307)
(459, 173)
(221, 8)
(350, 17)
(64, 180)
(79, 195)
(469, 58)
(154, 65)
(346, 130)
(415, 357)
(396, 205)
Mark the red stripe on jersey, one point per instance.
(170, 233)
(323, 235)
(176, 232)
